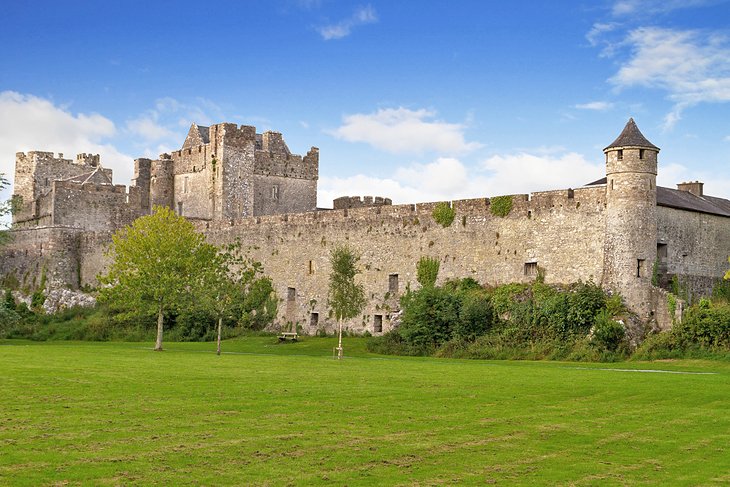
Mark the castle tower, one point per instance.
(162, 182)
(631, 232)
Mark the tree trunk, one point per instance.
(220, 325)
(339, 344)
(160, 318)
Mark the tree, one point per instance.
(158, 265)
(727, 274)
(232, 289)
(346, 298)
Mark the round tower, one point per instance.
(631, 234)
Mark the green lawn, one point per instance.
(269, 414)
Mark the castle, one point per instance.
(622, 231)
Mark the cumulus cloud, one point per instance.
(361, 16)
(400, 130)
(690, 66)
(599, 106)
(163, 127)
(449, 178)
(32, 123)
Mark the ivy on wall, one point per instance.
(444, 214)
(500, 205)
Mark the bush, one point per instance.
(428, 317)
(608, 334)
(476, 316)
(706, 325)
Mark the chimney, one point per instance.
(692, 187)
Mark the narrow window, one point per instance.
(378, 324)
(620, 155)
(641, 153)
(612, 185)
(179, 208)
(186, 184)
(393, 284)
(275, 192)
(311, 267)
(313, 320)
(639, 267)
(571, 194)
(291, 294)
(530, 269)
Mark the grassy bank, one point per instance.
(269, 413)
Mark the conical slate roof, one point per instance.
(631, 136)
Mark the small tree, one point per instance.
(346, 298)
(158, 264)
(727, 274)
(232, 290)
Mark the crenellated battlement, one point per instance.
(357, 202)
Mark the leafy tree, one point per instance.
(232, 290)
(346, 298)
(158, 264)
(727, 274)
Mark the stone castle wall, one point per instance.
(50, 253)
(35, 172)
(696, 247)
(560, 231)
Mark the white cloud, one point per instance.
(32, 123)
(595, 35)
(690, 66)
(448, 178)
(525, 172)
(361, 16)
(599, 106)
(166, 124)
(653, 7)
(400, 130)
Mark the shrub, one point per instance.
(500, 205)
(429, 316)
(476, 316)
(706, 325)
(721, 291)
(608, 334)
(443, 214)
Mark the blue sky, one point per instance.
(417, 101)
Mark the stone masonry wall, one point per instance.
(93, 207)
(698, 246)
(277, 195)
(560, 231)
(36, 171)
(49, 251)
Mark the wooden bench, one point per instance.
(288, 336)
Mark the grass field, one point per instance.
(270, 414)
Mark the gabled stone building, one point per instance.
(621, 231)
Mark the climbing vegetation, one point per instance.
(443, 214)
(500, 205)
